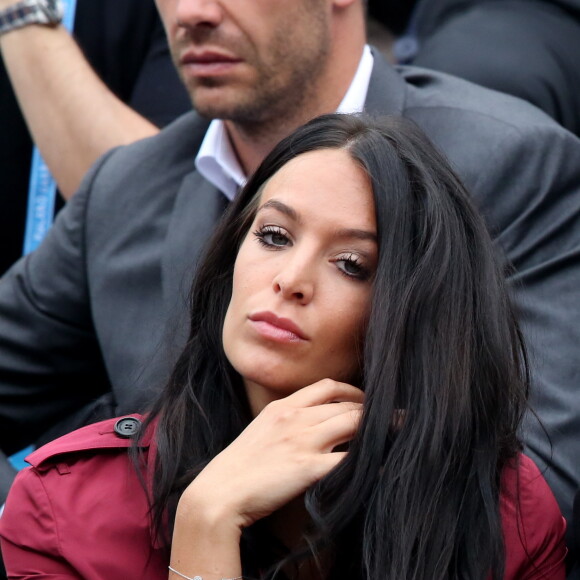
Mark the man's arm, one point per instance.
(72, 115)
(50, 361)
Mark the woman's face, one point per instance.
(302, 278)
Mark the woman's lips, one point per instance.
(276, 328)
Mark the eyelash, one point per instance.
(264, 231)
(362, 273)
(261, 234)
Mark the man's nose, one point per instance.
(199, 13)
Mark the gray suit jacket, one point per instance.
(83, 321)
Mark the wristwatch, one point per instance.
(25, 12)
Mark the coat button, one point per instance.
(127, 427)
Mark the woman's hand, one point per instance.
(283, 451)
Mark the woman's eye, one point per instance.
(276, 239)
(351, 267)
(272, 237)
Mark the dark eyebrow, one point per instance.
(283, 208)
(342, 233)
(357, 234)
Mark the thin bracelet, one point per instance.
(199, 577)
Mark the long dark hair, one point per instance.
(444, 375)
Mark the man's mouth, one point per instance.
(208, 62)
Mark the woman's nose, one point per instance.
(295, 282)
(191, 13)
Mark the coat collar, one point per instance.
(100, 435)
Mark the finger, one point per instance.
(325, 391)
(320, 413)
(326, 462)
(336, 430)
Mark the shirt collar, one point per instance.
(354, 100)
(217, 161)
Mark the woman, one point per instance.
(347, 403)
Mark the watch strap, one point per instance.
(27, 12)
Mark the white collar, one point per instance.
(217, 161)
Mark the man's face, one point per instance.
(248, 60)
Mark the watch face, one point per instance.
(53, 9)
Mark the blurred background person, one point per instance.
(76, 101)
(526, 48)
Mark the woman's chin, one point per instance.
(272, 388)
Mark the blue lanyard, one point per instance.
(42, 186)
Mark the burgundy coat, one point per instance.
(80, 512)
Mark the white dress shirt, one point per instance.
(216, 160)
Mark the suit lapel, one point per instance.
(386, 94)
(197, 209)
